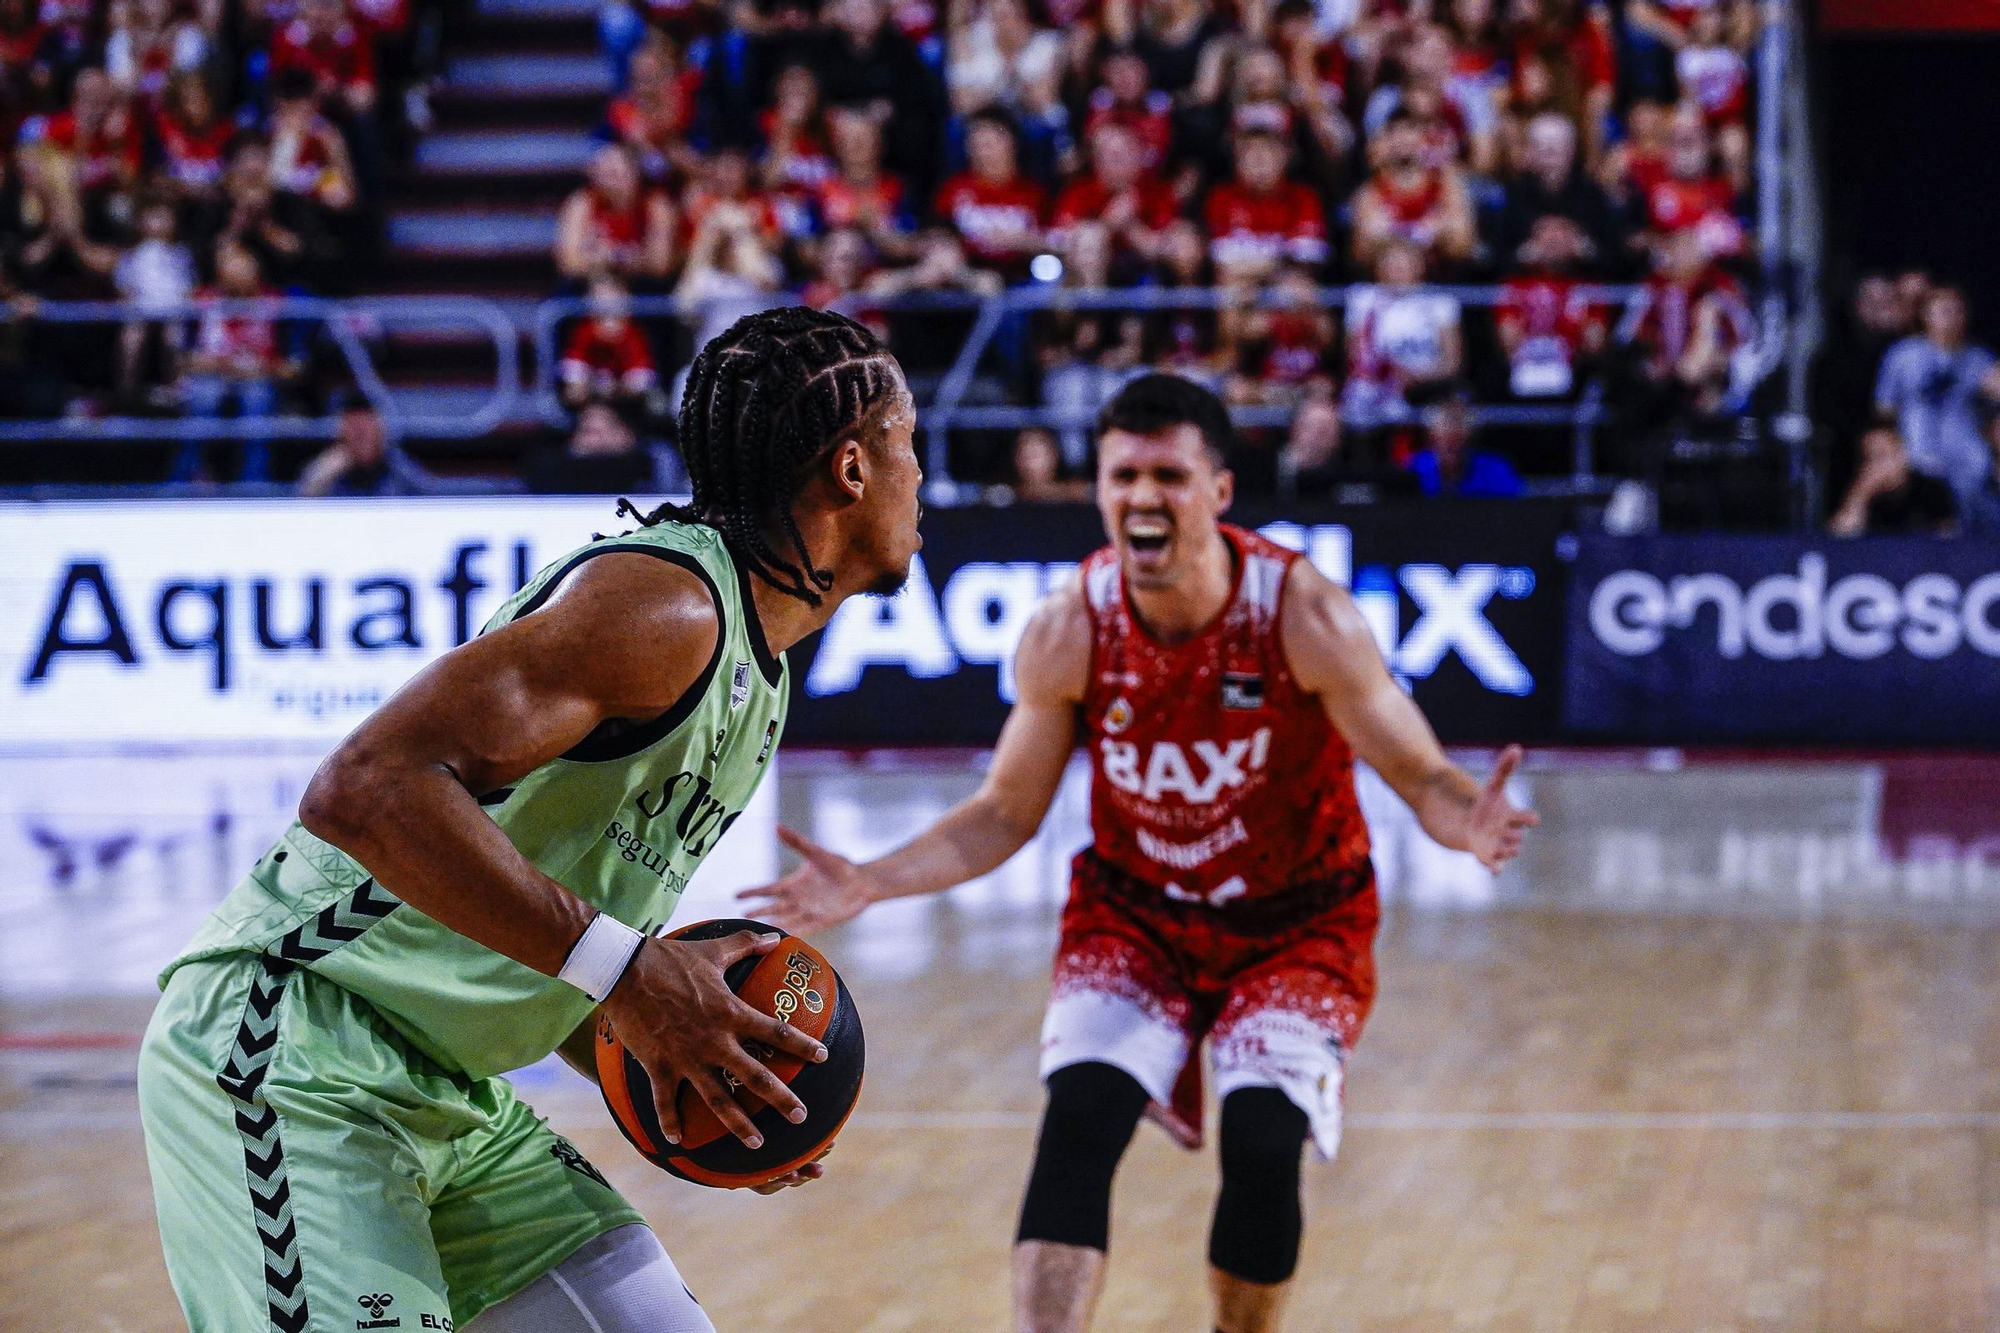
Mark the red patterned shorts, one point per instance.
(1280, 986)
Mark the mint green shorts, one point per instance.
(313, 1170)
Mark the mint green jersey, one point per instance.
(621, 820)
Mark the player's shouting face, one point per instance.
(1160, 494)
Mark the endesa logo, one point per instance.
(978, 616)
(1788, 616)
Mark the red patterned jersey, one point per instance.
(1262, 226)
(1214, 775)
(984, 211)
(344, 59)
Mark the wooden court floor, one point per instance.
(1558, 1121)
(1704, 1062)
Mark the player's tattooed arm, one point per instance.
(1332, 652)
(980, 832)
(621, 640)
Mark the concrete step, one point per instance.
(528, 76)
(490, 233)
(505, 152)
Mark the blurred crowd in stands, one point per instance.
(166, 151)
(849, 152)
(1264, 147)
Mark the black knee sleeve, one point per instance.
(1257, 1215)
(1093, 1109)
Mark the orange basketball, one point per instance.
(793, 982)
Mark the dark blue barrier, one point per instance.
(1466, 598)
(1719, 639)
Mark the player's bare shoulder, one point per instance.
(1328, 644)
(635, 631)
(1052, 663)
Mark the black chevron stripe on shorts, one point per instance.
(263, 1154)
(339, 923)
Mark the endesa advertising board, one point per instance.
(182, 622)
(1716, 638)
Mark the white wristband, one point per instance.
(601, 956)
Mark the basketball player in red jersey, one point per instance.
(1223, 688)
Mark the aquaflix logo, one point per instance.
(1789, 616)
(978, 616)
(224, 619)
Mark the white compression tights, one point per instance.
(622, 1282)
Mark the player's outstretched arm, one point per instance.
(986, 828)
(1332, 653)
(623, 638)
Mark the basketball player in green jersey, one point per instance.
(477, 869)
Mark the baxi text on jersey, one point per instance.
(1167, 770)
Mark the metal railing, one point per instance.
(350, 324)
(948, 410)
(347, 323)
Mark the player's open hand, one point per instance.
(681, 1021)
(1496, 825)
(825, 890)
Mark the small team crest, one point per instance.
(1242, 690)
(739, 686)
(1118, 716)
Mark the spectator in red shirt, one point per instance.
(1406, 201)
(194, 139)
(1632, 168)
(1714, 76)
(308, 156)
(1259, 218)
(998, 211)
(607, 358)
(654, 118)
(1548, 329)
(615, 225)
(97, 139)
(1131, 203)
(1127, 98)
(860, 193)
(1692, 196)
(235, 361)
(1457, 115)
(1687, 326)
(1569, 41)
(1286, 351)
(798, 157)
(727, 179)
(326, 43)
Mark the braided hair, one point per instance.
(766, 396)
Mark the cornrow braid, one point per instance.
(764, 397)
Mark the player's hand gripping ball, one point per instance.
(793, 982)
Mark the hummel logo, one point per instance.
(565, 1152)
(375, 1303)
